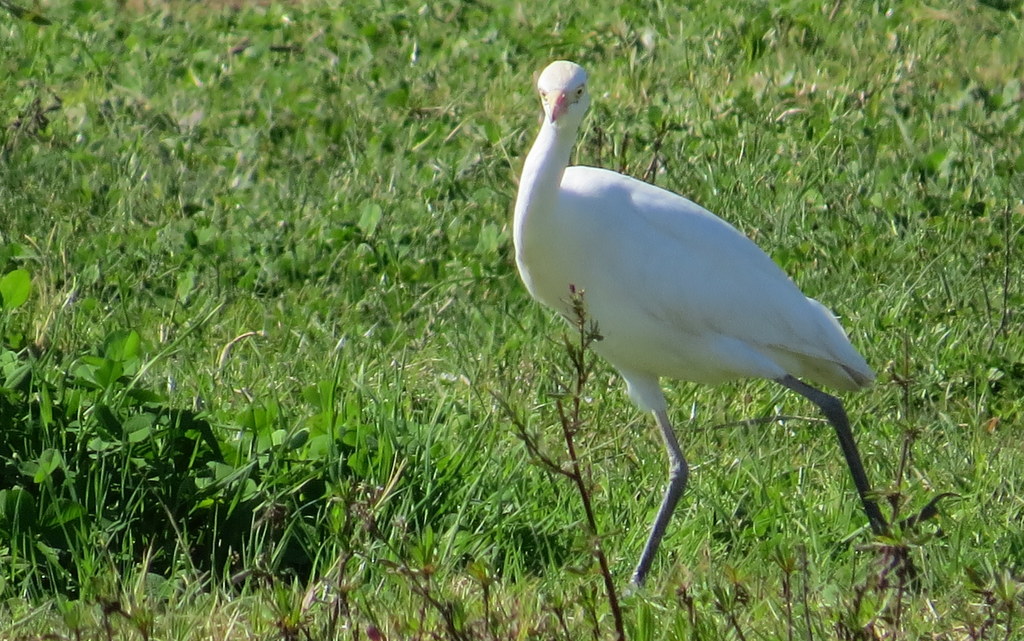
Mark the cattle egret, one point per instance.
(674, 290)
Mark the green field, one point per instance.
(266, 364)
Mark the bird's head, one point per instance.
(563, 90)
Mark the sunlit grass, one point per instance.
(260, 381)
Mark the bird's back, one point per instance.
(678, 292)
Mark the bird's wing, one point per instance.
(687, 267)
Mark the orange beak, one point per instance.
(559, 104)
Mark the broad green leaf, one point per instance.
(64, 511)
(186, 283)
(15, 288)
(17, 508)
(370, 217)
(122, 345)
(48, 462)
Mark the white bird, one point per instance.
(674, 290)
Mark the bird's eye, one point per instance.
(579, 90)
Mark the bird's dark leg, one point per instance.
(678, 472)
(833, 410)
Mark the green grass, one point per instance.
(262, 338)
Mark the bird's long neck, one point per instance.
(541, 177)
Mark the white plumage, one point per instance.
(675, 291)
